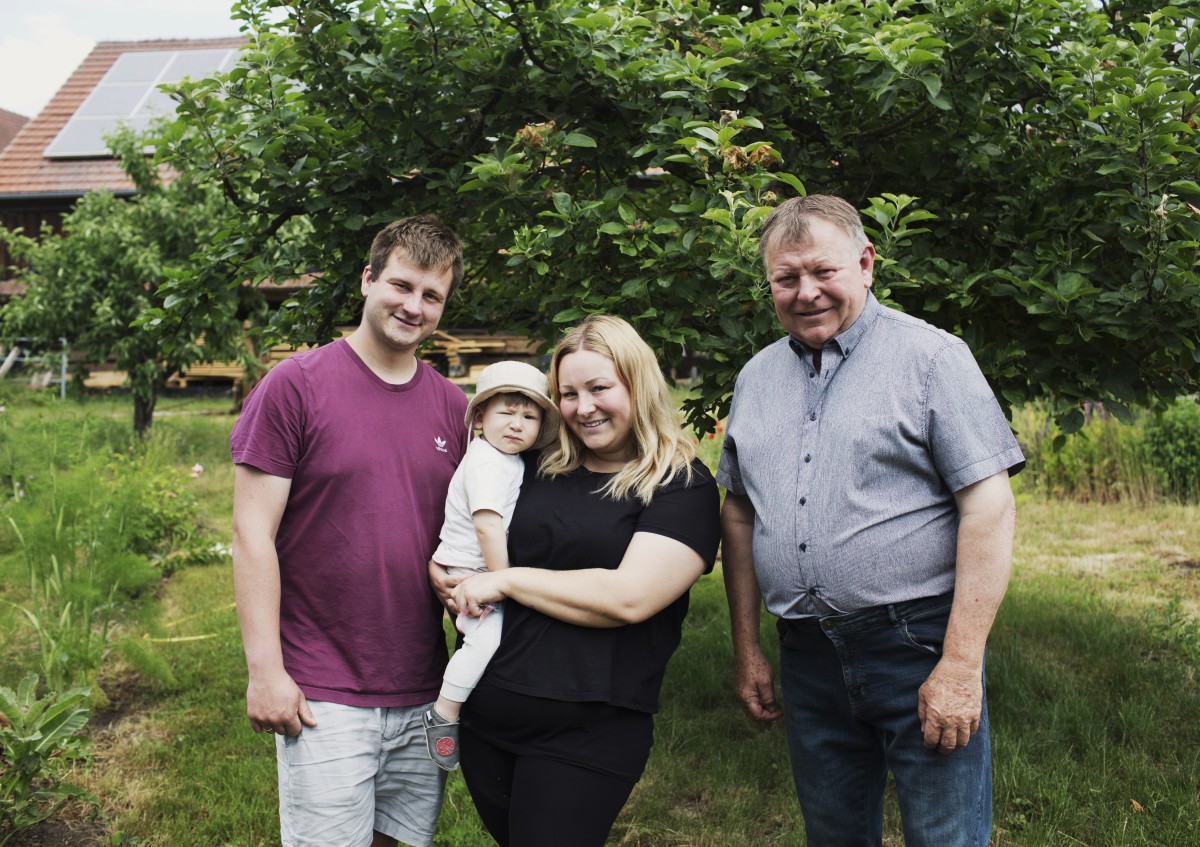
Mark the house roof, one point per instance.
(10, 125)
(25, 170)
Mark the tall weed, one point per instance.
(72, 634)
(1105, 462)
(98, 518)
(93, 519)
(66, 552)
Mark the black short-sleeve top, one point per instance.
(563, 523)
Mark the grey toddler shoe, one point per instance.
(441, 738)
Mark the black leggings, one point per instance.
(529, 802)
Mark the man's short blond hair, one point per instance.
(426, 241)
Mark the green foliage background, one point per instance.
(1030, 169)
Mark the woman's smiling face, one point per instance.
(597, 407)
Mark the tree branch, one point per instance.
(519, 25)
(894, 125)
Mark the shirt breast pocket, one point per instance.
(879, 450)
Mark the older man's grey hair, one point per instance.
(788, 222)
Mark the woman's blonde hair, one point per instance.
(661, 449)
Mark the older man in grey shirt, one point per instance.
(867, 463)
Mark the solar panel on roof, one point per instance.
(128, 94)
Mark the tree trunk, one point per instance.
(143, 413)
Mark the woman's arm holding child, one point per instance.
(654, 572)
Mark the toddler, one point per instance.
(513, 412)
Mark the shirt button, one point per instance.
(813, 416)
(803, 500)
(803, 548)
(808, 458)
(811, 374)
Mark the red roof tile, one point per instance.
(24, 170)
(10, 125)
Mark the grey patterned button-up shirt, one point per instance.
(852, 470)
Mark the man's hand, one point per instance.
(755, 687)
(444, 583)
(274, 703)
(949, 705)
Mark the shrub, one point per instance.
(158, 516)
(1173, 447)
(1174, 626)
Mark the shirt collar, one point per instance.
(847, 340)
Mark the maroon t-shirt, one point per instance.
(369, 464)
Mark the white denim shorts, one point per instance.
(358, 770)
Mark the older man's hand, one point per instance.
(949, 705)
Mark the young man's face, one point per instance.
(819, 285)
(509, 427)
(403, 306)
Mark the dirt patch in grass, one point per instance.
(64, 833)
(127, 695)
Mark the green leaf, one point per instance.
(579, 139)
(792, 181)
(1120, 411)
(721, 216)
(568, 315)
(1071, 421)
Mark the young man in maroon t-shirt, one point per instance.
(343, 457)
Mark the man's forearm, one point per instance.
(985, 543)
(259, 500)
(737, 566)
(256, 590)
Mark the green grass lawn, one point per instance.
(1092, 688)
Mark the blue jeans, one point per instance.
(850, 707)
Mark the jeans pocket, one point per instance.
(925, 636)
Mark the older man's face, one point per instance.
(819, 285)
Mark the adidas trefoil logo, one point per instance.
(440, 444)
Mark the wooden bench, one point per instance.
(208, 372)
(105, 379)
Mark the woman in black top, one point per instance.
(615, 522)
